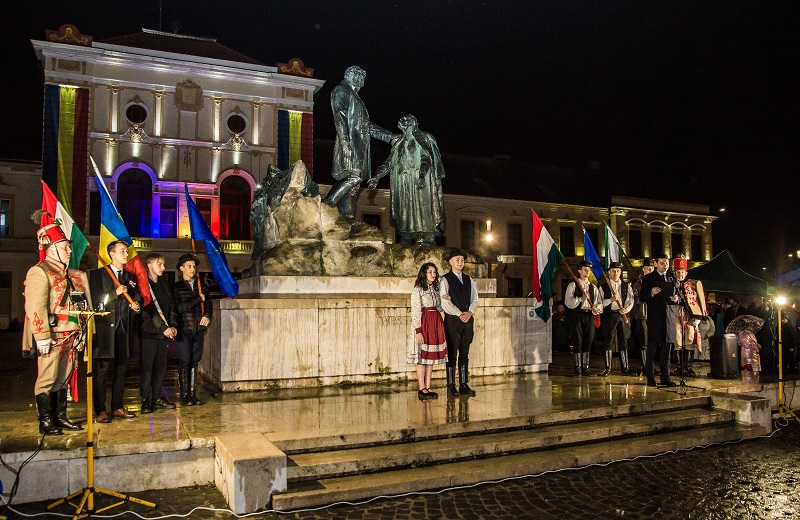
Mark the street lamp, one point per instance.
(489, 239)
(783, 410)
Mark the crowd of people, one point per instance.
(651, 319)
(54, 332)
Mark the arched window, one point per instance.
(134, 201)
(234, 208)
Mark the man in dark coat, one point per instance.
(194, 315)
(113, 332)
(351, 153)
(159, 326)
(638, 339)
(658, 291)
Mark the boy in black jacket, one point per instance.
(194, 316)
(159, 325)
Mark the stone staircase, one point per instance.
(353, 467)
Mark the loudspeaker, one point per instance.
(724, 356)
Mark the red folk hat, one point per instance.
(680, 263)
(50, 234)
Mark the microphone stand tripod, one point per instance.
(682, 386)
(85, 507)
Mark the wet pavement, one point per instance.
(755, 479)
(748, 480)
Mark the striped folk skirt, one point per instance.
(433, 350)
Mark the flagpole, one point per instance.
(110, 273)
(578, 283)
(616, 298)
(199, 287)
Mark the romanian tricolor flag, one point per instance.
(295, 139)
(64, 146)
(54, 209)
(112, 228)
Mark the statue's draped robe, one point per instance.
(415, 174)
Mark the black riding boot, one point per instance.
(643, 354)
(58, 402)
(183, 382)
(193, 386)
(451, 382)
(609, 358)
(623, 361)
(463, 379)
(585, 367)
(577, 364)
(46, 424)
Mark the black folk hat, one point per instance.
(648, 262)
(185, 258)
(615, 265)
(584, 263)
(454, 252)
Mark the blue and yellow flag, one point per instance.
(112, 228)
(216, 256)
(590, 254)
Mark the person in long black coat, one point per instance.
(657, 295)
(111, 347)
(159, 326)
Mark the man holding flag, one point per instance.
(614, 322)
(584, 301)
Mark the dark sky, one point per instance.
(691, 101)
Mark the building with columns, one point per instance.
(159, 111)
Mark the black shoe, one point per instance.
(651, 382)
(433, 394)
(668, 383)
(452, 391)
(690, 373)
(423, 395)
(46, 424)
(162, 403)
(606, 372)
(577, 372)
(186, 400)
(147, 406)
(586, 372)
(466, 390)
(626, 372)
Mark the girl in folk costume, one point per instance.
(427, 345)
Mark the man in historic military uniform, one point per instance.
(50, 331)
(459, 303)
(351, 151)
(617, 302)
(584, 303)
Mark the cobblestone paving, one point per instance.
(756, 479)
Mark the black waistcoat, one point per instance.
(460, 293)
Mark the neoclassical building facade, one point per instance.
(159, 112)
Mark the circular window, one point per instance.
(236, 123)
(136, 114)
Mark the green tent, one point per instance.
(723, 274)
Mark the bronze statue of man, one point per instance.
(351, 152)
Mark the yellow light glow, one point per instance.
(489, 238)
(780, 300)
(488, 224)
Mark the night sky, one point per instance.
(688, 101)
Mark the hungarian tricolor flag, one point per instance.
(55, 210)
(112, 228)
(546, 258)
